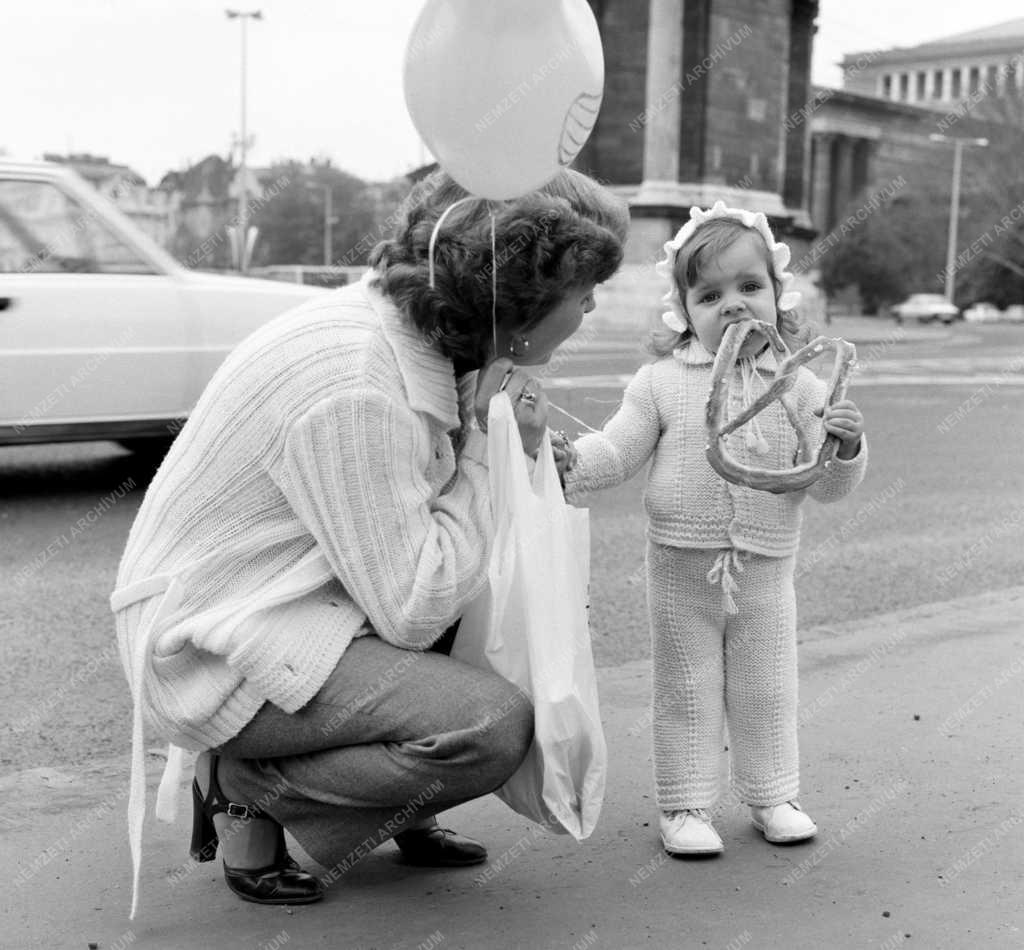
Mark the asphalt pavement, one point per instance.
(911, 767)
(910, 735)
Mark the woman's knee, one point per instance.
(504, 733)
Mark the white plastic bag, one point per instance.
(530, 625)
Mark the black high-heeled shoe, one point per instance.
(282, 882)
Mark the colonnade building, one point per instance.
(942, 72)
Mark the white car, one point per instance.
(925, 308)
(103, 335)
(982, 312)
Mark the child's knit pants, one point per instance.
(710, 663)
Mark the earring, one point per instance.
(519, 346)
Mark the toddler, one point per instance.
(720, 557)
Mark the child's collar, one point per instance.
(693, 353)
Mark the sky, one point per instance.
(156, 84)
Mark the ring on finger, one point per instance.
(527, 396)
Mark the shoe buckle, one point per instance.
(235, 810)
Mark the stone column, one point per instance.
(843, 178)
(659, 190)
(663, 94)
(796, 148)
(821, 183)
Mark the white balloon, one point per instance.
(504, 92)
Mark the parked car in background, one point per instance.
(103, 335)
(925, 308)
(1014, 313)
(983, 312)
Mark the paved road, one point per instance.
(910, 711)
(909, 726)
(940, 515)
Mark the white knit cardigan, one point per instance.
(688, 504)
(313, 496)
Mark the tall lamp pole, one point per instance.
(329, 218)
(328, 223)
(243, 196)
(954, 204)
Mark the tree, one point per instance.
(901, 248)
(990, 248)
(891, 253)
(292, 222)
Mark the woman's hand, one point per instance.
(528, 400)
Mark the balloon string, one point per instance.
(565, 412)
(494, 286)
(434, 233)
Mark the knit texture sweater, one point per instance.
(313, 496)
(688, 504)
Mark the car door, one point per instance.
(93, 333)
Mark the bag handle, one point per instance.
(507, 460)
(546, 484)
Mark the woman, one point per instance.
(321, 522)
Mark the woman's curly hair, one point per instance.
(567, 234)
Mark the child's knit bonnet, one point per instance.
(675, 317)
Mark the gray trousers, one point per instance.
(393, 736)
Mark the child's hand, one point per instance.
(564, 452)
(844, 421)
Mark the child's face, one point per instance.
(735, 286)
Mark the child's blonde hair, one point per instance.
(707, 241)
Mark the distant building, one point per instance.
(942, 72)
(151, 209)
(205, 204)
(696, 96)
(874, 132)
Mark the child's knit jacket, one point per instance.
(688, 504)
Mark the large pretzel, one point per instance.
(810, 465)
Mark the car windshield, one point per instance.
(44, 230)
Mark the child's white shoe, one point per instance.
(783, 824)
(689, 832)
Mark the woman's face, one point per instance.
(561, 322)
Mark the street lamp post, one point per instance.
(328, 223)
(954, 204)
(243, 196)
(329, 219)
